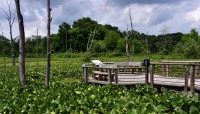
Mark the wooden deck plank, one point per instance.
(133, 79)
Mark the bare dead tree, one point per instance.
(4, 54)
(131, 21)
(10, 22)
(127, 44)
(37, 48)
(90, 40)
(164, 30)
(147, 46)
(66, 45)
(128, 35)
(89, 44)
(21, 44)
(49, 18)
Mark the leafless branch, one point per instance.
(130, 18)
(13, 18)
(5, 13)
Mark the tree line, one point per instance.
(86, 34)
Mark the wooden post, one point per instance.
(192, 76)
(116, 76)
(164, 70)
(147, 75)
(186, 78)
(152, 67)
(110, 76)
(167, 70)
(85, 74)
(197, 69)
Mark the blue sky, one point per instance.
(148, 15)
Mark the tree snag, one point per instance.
(21, 44)
(10, 22)
(49, 18)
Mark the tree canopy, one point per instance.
(110, 38)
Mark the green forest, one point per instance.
(86, 34)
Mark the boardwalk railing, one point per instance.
(173, 74)
(176, 74)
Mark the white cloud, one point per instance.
(193, 16)
(149, 16)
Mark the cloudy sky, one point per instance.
(148, 15)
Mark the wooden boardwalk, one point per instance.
(134, 79)
(114, 74)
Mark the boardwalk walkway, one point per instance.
(133, 79)
(188, 80)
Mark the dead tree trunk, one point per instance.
(66, 45)
(37, 48)
(147, 46)
(10, 22)
(127, 37)
(127, 45)
(21, 44)
(48, 44)
(90, 43)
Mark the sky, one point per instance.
(147, 15)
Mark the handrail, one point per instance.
(174, 64)
(181, 61)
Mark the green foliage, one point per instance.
(121, 45)
(138, 47)
(189, 45)
(115, 54)
(99, 46)
(191, 49)
(111, 39)
(4, 42)
(67, 94)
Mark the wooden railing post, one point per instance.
(110, 76)
(116, 76)
(85, 73)
(192, 76)
(186, 78)
(147, 75)
(197, 70)
(164, 70)
(167, 71)
(152, 67)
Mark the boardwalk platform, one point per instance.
(189, 79)
(133, 79)
(159, 81)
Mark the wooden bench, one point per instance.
(99, 75)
